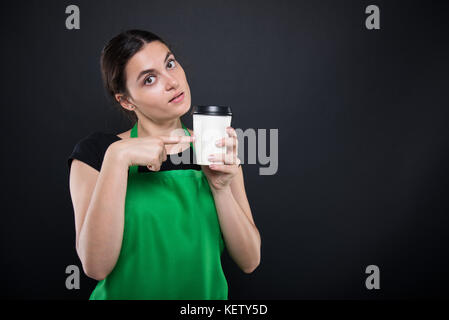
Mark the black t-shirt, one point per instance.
(91, 150)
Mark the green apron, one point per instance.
(172, 241)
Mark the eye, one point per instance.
(145, 81)
(172, 60)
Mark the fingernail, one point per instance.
(211, 158)
(218, 143)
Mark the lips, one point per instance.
(177, 95)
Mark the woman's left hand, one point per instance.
(220, 175)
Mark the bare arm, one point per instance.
(234, 213)
(241, 235)
(98, 200)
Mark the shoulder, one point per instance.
(96, 142)
(98, 139)
(91, 148)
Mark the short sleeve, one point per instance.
(91, 149)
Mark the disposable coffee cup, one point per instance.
(209, 125)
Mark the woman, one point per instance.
(147, 228)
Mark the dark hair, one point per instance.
(114, 58)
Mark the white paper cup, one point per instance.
(209, 125)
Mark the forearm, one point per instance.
(101, 234)
(241, 236)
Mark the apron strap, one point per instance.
(187, 134)
(134, 169)
(134, 131)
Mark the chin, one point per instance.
(185, 106)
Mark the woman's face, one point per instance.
(152, 90)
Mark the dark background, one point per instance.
(363, 136)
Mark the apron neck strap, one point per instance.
(134, 130)
(187, 134)
(185, 129)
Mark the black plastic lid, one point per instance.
(212, 110)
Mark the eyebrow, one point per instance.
(152, 70)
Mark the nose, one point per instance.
(172, 82)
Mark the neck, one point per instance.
(147, 127)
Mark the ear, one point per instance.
(124, 102)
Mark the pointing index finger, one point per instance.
(176, 139)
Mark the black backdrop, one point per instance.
(363, 136)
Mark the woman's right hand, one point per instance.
(146, 151)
